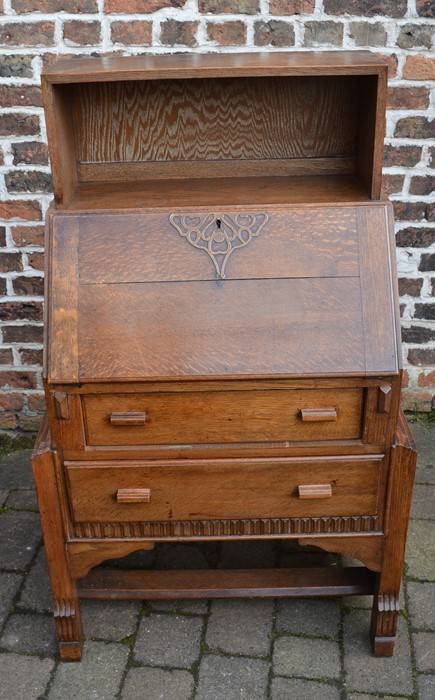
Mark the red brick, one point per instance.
(24, 96)
(405, 379)
(36, 403)
(28, 235)
(408, 98)
(2, 235)
(231, 33)
(30, 424)
(368, 33)
(412, 287)
(292, 7)
(10, 262)
(415, 237)
(36, 260)
(426, 379)
(419, 68)
(175, 33)
(22, 34)
(416, 401)
(11, 402)
(22, 334)
(30, 153)
(21, 310)
(18, 379)
(19, 125)
(2, 286)
(392, 62)
(367, 8)
(6, 356)
(16, 66)
(275, 32)
(415, 128)
(433, 286)
(27, 181)
(418, 334)
(8, 421)
(78, 33)
(27, 210)
(133, 33)
(30, 356)
(426, 312)
(415, 36)
(421, 356)
(321, 33)
(405, 156)
(72, 6)
(423, 185)
(28, 286)
(142, 6)
(410, 211)
(393, 184)
(239, 7)
(426, 8)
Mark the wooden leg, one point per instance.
(64, 589)
(386, 606)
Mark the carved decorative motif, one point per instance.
(219, 235)
(67, 623)
(255, 527)
(388, 608)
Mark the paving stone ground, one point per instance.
(213, 650)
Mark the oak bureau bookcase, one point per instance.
(222, 356)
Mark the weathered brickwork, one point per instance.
(34, 32)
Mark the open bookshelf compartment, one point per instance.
(109, 129)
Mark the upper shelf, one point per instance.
(115, 121)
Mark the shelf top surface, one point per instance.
(179, 66)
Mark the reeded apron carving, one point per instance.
(219, 235)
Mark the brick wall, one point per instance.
(33, 32)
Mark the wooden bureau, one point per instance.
(222, 349)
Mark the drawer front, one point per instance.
(280, 488)
(223, 417)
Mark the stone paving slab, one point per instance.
(168, 640)
(240, 626)
(423, 502)
(20, 537)
(422, 605)
(309, 658)
(9, 585)
(312, 617)
(231, 678)
(98, 676)
(420, 551)
(24, 677)
(36, 593)
(28, 633)
(301, 689)
(426, 687)
(110, 620)
(364, 672)
(157, 684)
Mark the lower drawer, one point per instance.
(261, 488)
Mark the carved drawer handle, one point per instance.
(314, 415)
(315, 490)
(133, 495)
(128, 418)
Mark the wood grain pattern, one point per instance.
(326, 241)
(211, 65)
(63, 360)
(222, 119)
(218, 192)
(222, 416)
(130, 331)
(225, 489)
(219, 583)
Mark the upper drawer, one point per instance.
(223, 416)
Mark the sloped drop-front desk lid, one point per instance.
(276, 292)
